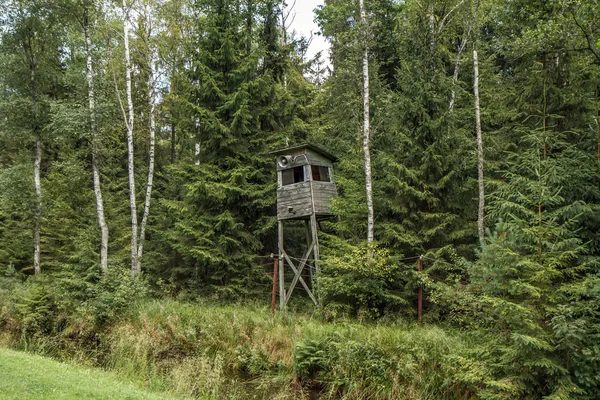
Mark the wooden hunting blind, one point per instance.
(305, 187)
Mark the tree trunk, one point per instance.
(462, 46)
(197, 153)
(284, 34)
(89, 72)
(480, 213)
(37, 162)
(173, 142)
(130, 154)
(38, 206)
(366, 127)
(151, 115)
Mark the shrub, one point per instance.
(358, 281)
(116, 290)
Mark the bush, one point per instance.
(36, 308)
(358, 281)
(116, 290)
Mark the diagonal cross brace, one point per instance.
(297, 275)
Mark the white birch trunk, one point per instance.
(480, 213)
(89, 73)
(284, 34)
(462, 46)
(366, 128)
(37, 162)
(151, 115)
(130, 154)
(38, 206)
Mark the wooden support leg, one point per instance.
(309, 243)
(281, 266)
(315, 240)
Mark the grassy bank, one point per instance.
(27, 376)
(206, 351)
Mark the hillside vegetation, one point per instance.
(138, 195)
(236, 351)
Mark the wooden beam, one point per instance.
(300, 279)
(315, 239)
(298, 272)
(281, 267)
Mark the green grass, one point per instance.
(207, 351)
(27, 376)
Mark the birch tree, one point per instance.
(89, 73)
(366, 125)
(461, 48)
(151, 84)
(129, 119)
(481, 208)
(33, 49)
(480, 158)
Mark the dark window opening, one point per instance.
(320, 174)
(292, 175)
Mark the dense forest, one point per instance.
(134, 163)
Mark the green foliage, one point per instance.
(207, 351)
(223, 205)
(36, 307)
(113, 294)
(358, 280)
(232, 84)
(576, 329)
(387, 363)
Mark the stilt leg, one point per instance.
(309, 243)
(281, 266)
(316, 253)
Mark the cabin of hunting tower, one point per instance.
(305, 183)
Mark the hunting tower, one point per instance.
(305, 187)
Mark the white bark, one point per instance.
(284, 17)
(462, 46)
(480, 213)
(130, 154)
(366, 127)
(89, 73)
(38, 206)
(151, 115)
(37, 162)
(197, 153)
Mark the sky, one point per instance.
(303, 24)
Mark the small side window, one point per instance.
(292, 175)
(320, 174)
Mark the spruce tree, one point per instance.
(227, 200)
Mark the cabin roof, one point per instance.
(309, 146)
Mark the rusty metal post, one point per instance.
(420, 294)
(273, 293)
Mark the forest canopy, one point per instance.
(135, 136)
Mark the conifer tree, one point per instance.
(226, 199)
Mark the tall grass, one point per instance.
(236, 352)
(204, 351)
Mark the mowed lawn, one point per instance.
(27, 376)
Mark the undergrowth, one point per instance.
(209, 351)
(235, 352)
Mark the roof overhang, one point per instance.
(308, 146)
